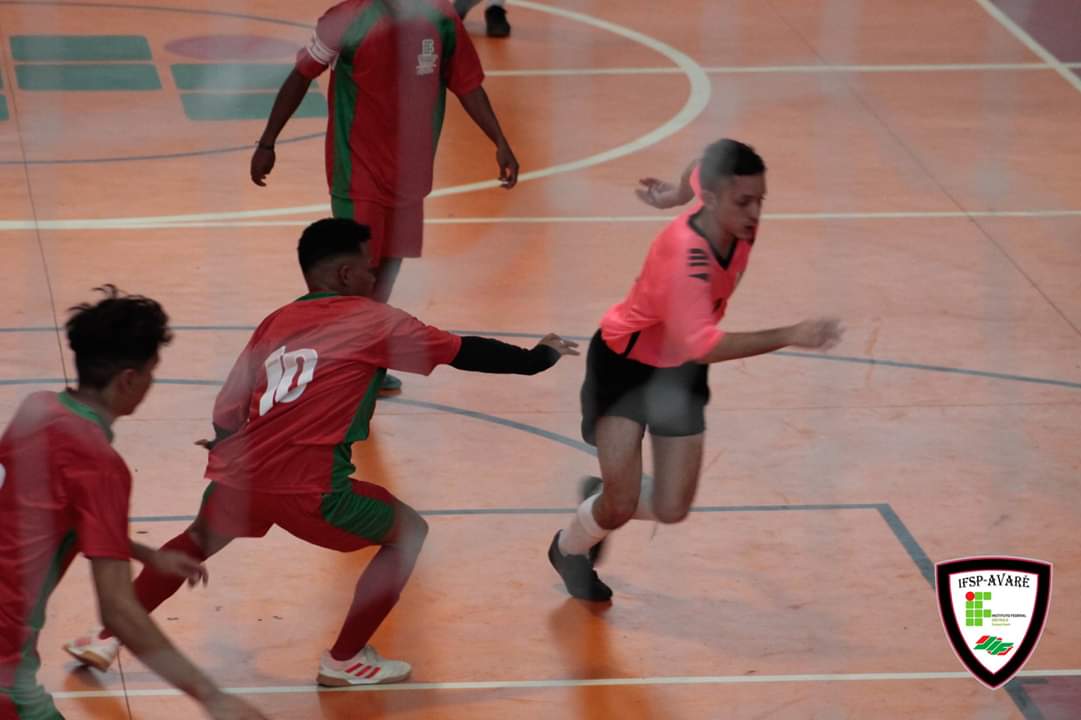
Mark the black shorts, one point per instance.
(669, 402)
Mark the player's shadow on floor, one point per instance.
(582, 634)
(83, 679)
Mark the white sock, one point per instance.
(583, 531)
(644, 511)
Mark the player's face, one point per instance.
(357, 274)
(133, 385)
(737, 205)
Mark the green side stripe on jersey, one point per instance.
(449, 38)
(365, 517)
(358, 430)
(345, 98)
(30, 700)
(67, 400)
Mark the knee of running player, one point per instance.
(409, 531)
(615, 506)
(673, 498)
(672, 511)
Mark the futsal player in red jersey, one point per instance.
(392, 63)
(302, 391)
(647, 366)
(64, 491)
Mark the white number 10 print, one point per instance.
(282, 383)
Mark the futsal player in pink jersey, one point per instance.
(647, 366)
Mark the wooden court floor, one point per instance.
(923, 186)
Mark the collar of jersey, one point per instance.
(84, 411)
(317, 295)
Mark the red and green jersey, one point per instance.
(388, 93)
(678, 298)
(63, 490)
(304, 389)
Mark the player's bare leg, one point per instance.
(352, 661)
(677, 463)
(99, 648)
(619, 450)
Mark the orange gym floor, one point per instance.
(923, 186)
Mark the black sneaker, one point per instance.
(495, 17)
(578, 574)
(591, 486)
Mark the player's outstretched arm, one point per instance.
(487, 355)
(818, 334)
(662, 194)
(290, 95)
(122, 615)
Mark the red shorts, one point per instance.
(397, 232)
(346, 519)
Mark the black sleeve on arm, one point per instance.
(220, 434)
(493, 356)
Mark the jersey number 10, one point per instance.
(287, 376)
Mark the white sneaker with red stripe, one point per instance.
(93, 651)
(364, 668)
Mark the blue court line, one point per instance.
(873, 362)
(467, 512)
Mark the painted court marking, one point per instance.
(697, 101)
(149, 223)
(595, 682)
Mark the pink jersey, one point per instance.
(677, 300)
(304, 390)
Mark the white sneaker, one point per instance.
(364, 668)
(93, 651)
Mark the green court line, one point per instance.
(230, 76)
(88, 77)
(246, 106)
(69, 48)
(3, 108)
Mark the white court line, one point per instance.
(12, 225)
(782, 69)
(548, 684)
(697, 101)
(1030, 42)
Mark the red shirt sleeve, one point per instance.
(98, 490)
(688, 306)
(322, 50)
(409, 345)
(464, 73)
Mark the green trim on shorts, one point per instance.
(365, 517)
(341, 207)
(32, 705)
(30, 699)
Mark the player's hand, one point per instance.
(178, 564)
(262, 162)
(653, 192)
(817, 334)
(561, 346)
(230, 707)
(508, 165)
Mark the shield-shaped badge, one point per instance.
(994, 610)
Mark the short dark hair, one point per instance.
(726, 158)
(328, 238)
(120, 332)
